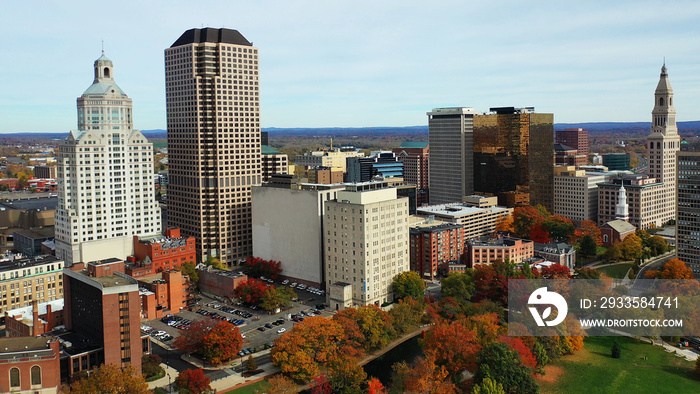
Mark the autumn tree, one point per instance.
(498, 362)
(279, 384)
(588, 227)
(374, 324)
(111, 379)
(251, 365)
(657, 245)
(408, 284)
(452, 345)
(525, 219)
(192, 381)
(375, 386)
(505, 224)
(676, 269)
(311, 343)
(257, 267)
(631, 247)
(272, 299)
(406, 314)
(490, 284)
(423, 376)
(586, 273)
(526, 356)
(345, 375)
(555, 271)
(251, 291)
(221, 343)
(613, 253)
(540, 356)
(192, 339)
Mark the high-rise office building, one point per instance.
(213, 112)
(662, 145)
(451, 158)
(514, 152)
(688, 221)
(575, 138)
(576, 193)
(105, 176)
(414, 156)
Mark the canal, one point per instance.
(380, 367)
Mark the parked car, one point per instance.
(281, 330)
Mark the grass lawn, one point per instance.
(617, 271)
(251, 388)
(592, 370)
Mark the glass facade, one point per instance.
(514, 152)
(688, 219)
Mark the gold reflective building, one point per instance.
(514, 156)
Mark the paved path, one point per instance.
(170, 376)
(687, 353)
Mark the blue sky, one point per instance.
(362, 63)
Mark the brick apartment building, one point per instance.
(487, 251)
(154, 254)
(34, 320)
(166, 293)
(432, 246)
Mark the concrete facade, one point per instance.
(576, 193)
(25, 280)
(366, 241)
(288, 227)
(476, 221)
(643, 196)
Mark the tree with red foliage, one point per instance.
(453, 346)
(560, 228)
(222, 343)
(525, 353)
(250, 291)
(257, 267)
(193, 381)
(525, 219)
(192, 339)
(321, 385)
(539, 233)
(490, 285)
(555, 271)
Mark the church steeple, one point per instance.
(622, 209)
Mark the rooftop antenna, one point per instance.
(103, 47)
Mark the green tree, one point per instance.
(189, 269)
(408, 284)
(541, 356)
(560, 228)
(271, 299)
(406, 314)
(613, 253)
(697, 367)
(345, 376)
(616, 350)
(632, 247)
(498, 362)
(587, 247)
(215, 263)
(657, 245)
(488, 386)
(459, 286)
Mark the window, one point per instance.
(36, 375)
(14, 377)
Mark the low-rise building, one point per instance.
(272, 162)
(486, 251)
(217, 282)
(158, 253)
(34, 320)
(615, 231)
(476, 221)
(28, 241)
(168, 292)
(559, 253)
(30, 365)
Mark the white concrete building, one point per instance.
(105, 177)
(288, 227)
(476, 221)
(366, 242)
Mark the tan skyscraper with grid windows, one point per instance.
(213, 107)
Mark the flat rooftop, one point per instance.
(455, 210)
(33, 203)
(26, 262)
(23, 344)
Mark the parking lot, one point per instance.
(259, 328)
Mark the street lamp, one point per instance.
(170, 386)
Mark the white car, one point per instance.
(281, 330)
(284, 282)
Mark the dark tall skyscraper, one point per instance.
(514, 152)
(688, 222)
(213, 105)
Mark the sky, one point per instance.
(362, 63)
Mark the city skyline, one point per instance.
(362, 64)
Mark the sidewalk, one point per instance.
(687, 353)
(164, 381)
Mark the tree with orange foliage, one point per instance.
(676, 269)
(490, 285)
(486, 326)
(453, 346)
(311, 343)
(588, 227)
(193, 381)
(539, 233)
(375, 325)
(525, 219)
(423, 376)
(375, 387)
(279, 384)
(505, 224)
(222, 343)
(111, 379)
